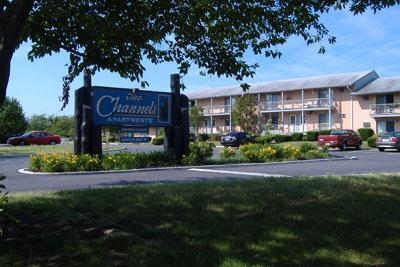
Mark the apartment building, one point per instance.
(347, 100)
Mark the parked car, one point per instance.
(341, 138)
(236, 139)
(389, 140)
(35, 138)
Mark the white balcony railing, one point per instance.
(216, 109)
(384, 109)
(297, 104)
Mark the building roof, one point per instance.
(380, 86)
(353, 79)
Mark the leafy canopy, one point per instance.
(12, 119)
(212, 35)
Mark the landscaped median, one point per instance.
(200, 153)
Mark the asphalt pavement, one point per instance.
(353, 162)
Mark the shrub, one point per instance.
(365, 133)
(290, 152)
(315, 154)
(265, 139)
(253, 152)
(64, 162)
(311, 136)
(371, 140)
(267, 153)
(86, 162)
(307, 146)
(324, 132)
(203, 137)
(227, 153)
(157, 141)
(127, 160)
(264, 153)
(3, 201)
(198, 153)
(215, 137)
(297, 136)
(280, 138)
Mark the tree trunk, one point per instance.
(13, 16)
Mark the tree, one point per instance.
(39, 122)
(213, 35)
(12, 119)
(62, 125)
(244, 113)
(195, 117)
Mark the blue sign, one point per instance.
(131, 139)
(117, 106)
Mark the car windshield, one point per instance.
(338, 132)
(27, 134)
(397, 134)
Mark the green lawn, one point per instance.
(35, 149)
(345, 221)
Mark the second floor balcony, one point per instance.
(216, 109)
(297, 104)
(385, 110)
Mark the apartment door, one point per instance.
(293, 123)
(385, 126)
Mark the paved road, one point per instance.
(355, 162)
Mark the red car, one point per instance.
(35, 138)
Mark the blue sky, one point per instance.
(364, 42)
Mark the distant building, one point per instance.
(348, 100)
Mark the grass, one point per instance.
(335, 221)
(35, 149)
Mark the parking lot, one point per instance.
(351, 162)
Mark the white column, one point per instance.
(230, 114)
(211, 118)
(330, 109)
(302, 110)
(258, 111)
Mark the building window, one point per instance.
(384, 99)
(227, 122)
(385, 126)
(323, 118)
(292, 119)
(323, 93)
(274, 120)
(273, 100)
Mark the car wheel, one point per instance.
(358, 147)
(22, 143)
(343, 146)
(52, 142)
(381, 149)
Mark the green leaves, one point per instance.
(244, 113)
(12, 119)
(211, 35)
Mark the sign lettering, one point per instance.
(132, 139)
(117, 106)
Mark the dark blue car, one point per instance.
(236, 139)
